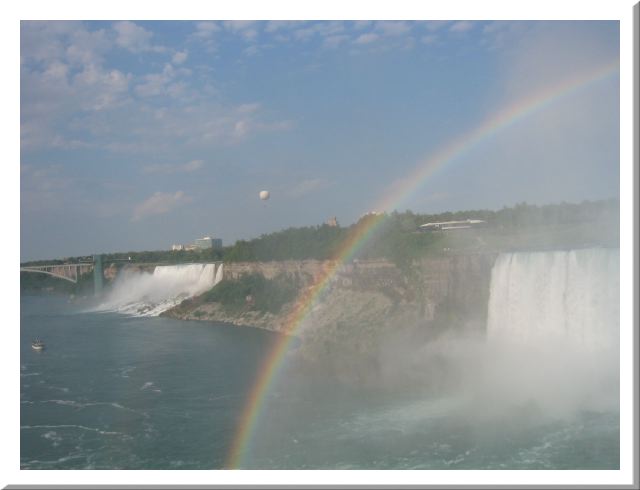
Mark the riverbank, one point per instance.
(367, 307)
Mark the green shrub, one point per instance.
(267, 295)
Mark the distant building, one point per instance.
(452, 225)
(208, 242)
(177, 247)
(333, 222)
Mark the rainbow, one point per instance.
(401, 192)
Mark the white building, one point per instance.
(452, 225)
(208, 242)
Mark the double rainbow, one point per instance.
(494, 124)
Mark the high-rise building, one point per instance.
(208, 242)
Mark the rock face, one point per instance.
(367, 306)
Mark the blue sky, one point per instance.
(138, 135)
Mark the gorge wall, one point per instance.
(367, 305)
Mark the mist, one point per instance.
(144, 293)
(551, 341)
(543, 368)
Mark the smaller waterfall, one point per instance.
(149, 294)
(219, 274)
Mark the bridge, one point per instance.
(68, 272)
(71, 272)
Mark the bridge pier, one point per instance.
(98, 275)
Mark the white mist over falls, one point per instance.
(554, 317)
(149, 294)
(552, 331)
(536, 386)
(552, 337)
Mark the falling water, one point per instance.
(553, 329)
(149, 294)
(568, 296)
(219, 274)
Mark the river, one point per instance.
(113, 391)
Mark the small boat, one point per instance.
(37, 344)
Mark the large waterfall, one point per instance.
(553, 328)
(149, 294)
(570, 296)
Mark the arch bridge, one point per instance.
(71, 272)
(68, 272)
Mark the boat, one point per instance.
(37, 344)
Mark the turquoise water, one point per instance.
(120, 392)
(112, 391)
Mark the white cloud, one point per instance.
(134, 38)
(248, 108)
(193, 165)
(88, 47)
(435, 25)
(206, 29)
(239, 25)
(159, 203)
(71, 99)
(461, 26)
(251, 50)
(101, 89)
(62, 41)
(392, 28)
(429, 39)
(278, 25)
(70, 83)
(196, 126)
(156, 83)
(335, 40)
(180, 57)
(168, 168)
(322, 29)
(241, 128)
(501, 34)
(366, 38)
(361, 24)
(43, 177)
(304, 33)
(204, 34)
(245, 28)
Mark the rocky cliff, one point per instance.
(368, 305)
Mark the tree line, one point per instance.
(396, 236)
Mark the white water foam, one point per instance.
(570, 296)
(553, 329)
(149, 294)
(74, 426)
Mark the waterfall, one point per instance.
(219, 274)
(149, 294)
(553, 330)
(570, 296)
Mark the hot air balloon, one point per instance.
(264, 195)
